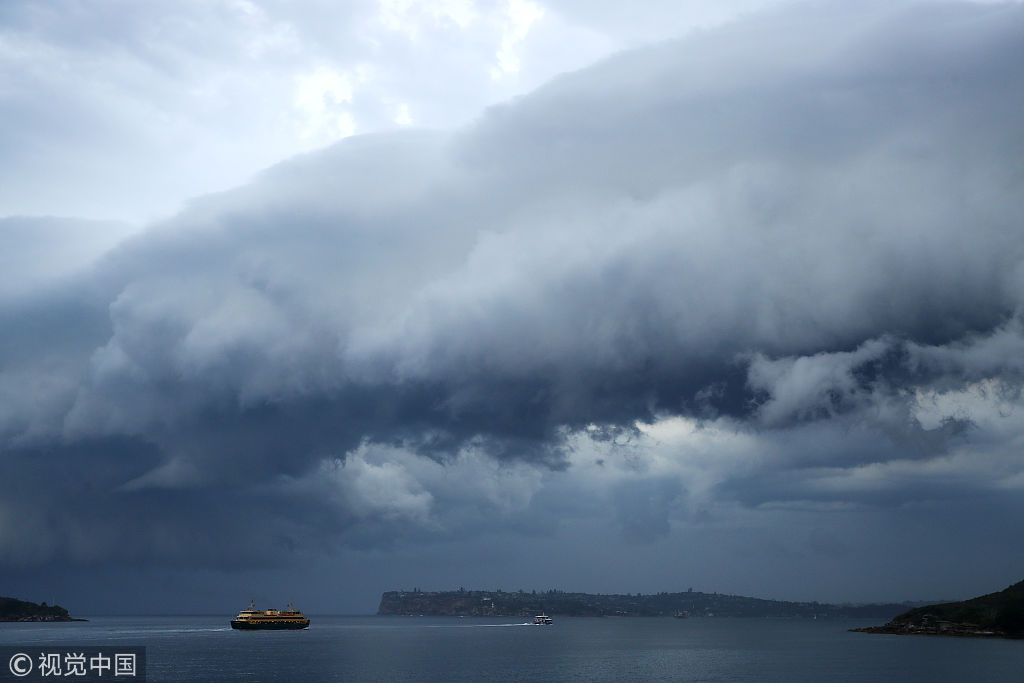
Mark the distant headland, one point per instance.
(20, 610)
(996, 615)
(474, 603)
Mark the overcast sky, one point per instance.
(316, 300)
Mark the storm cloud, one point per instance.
(772, 269)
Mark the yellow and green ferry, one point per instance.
(253, 619)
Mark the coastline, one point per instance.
(40, 620)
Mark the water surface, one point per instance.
(573, 649)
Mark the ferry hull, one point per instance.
(269, 626)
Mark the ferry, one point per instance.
(542, 619)
(255, 619)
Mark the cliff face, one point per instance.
(20, 610)
(999, 615)
(560, 603)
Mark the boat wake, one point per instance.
(181, 630)
(474, 625)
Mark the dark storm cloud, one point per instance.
(796, 226)
(642, 508)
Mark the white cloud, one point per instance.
(403, 116)
(132, 111)
(323, 99)
(520, 15)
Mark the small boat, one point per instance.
(253, 619)
(542, 620)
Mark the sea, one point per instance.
(388, 648)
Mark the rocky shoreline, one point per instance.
(937, 629)
(43, 618)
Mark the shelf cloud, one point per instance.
(770, 271)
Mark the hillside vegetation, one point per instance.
(998, 614)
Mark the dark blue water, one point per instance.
(451, 649)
